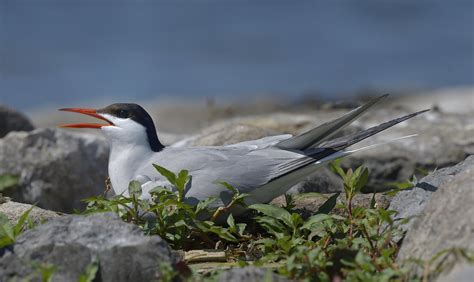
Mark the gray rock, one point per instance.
(254, 127)
(71, 243)
(446, 221)
(11, 120)
(13, 211)
(410, 203)
(57, 168)
(250, 274)
(460, 273)
(443, 140)
(322, 180)
(224, 134)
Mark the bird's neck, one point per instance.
(124, 160)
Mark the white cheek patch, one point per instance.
(125, 131)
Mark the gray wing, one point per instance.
(244, 167)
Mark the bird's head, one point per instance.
(124, 123)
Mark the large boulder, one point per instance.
(72, 243)
(446, 222)
(11, 120)
(410, 203)
(57, 168)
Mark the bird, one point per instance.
(263, 169)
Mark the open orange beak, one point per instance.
(89, 112)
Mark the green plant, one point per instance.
(9, 231)
(354, 244)
(8, 181)
(168, 215)
(90, 272)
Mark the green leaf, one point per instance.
(336, 168)
(90, 272)
(8, 181)
(203, 205)
(329, 205)
(21, 222)
(135, 189)
(275, 212)
(183, 177)
(373, 202)
(272, 224)
(318, 218)
(241, 228)
(362, 179)
(170, 176)
(223, 233)
(227, 186)
(231, 221)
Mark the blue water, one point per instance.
(66, 52)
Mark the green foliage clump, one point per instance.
(167, 214)
(356, 244)
(7, 182)
(9, 231)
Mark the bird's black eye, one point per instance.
(122, 113)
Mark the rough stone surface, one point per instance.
(322, 180)
(446, 221)
(13, 211)
(71, 243)
(57, 168)
(254, 127)
(410, 203)
(250, 274)
(11, 120)
(460, 273)
(443, 140)
(223, 134)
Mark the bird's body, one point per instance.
(263, 168)
(245, 167)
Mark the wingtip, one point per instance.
(423, 111)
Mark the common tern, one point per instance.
(263, 168)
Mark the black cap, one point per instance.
(139, 115)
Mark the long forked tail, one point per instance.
(334, 147)
(317, 135)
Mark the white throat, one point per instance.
(129, 147)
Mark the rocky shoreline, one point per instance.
(58, 168)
